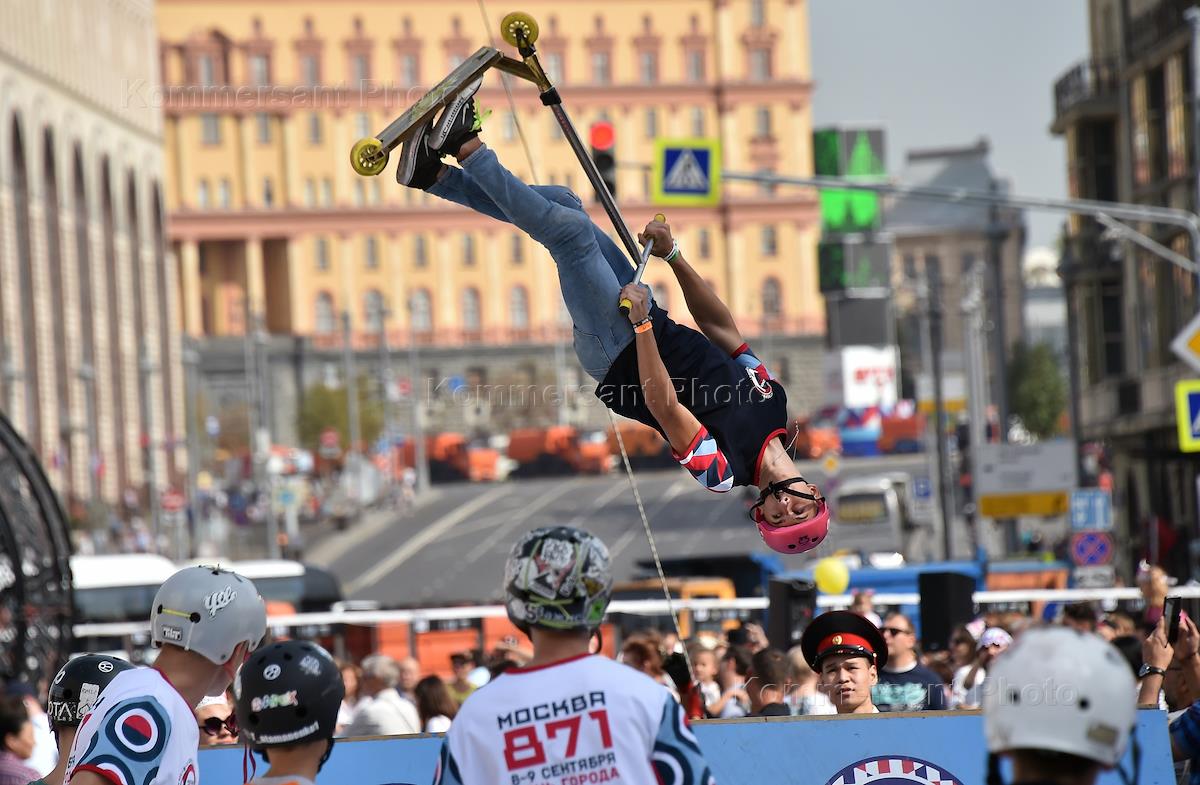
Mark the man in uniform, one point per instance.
(569, 716)
(846, 651)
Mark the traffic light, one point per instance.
(604, 148)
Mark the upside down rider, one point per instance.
(706, 392)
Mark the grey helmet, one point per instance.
(559, 578)
(209, 611)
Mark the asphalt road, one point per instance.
(452, 548)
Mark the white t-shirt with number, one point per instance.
(140, 732)
(582, 721)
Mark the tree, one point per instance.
(325, 407)
(1037, 392)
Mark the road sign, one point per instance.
(1091, 508)
(922, 488)
(1187, 344)
(687, 172)
(1025, 479)
(172, 500)
(1102, 577)
(1187, 414)
(1092, 549)
(922, 499)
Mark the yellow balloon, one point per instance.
(832, 576)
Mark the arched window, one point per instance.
(29, 338)
(87, 326)
(772, 298)
(374, 306)
(144, 412)
(518, 307)
(58, 300)
(324, 323)
(470, 309)
(371, 252)
(164, 325)
(115, 361)
(421, 311)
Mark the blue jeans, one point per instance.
(591, 268)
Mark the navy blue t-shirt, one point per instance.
(739, 406)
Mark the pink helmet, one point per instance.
(798, 537)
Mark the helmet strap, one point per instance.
(249, 765)
(328, 752)
(1135, 753)
(993, 770)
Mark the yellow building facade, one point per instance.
(262, 103)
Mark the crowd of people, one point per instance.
(217, 680)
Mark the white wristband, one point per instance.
(674, 252)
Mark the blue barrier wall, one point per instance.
(939, 748)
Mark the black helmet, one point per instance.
(77, 686)
(559, 578)
(288, 693)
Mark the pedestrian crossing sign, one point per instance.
(1187, 414)
(687, 172)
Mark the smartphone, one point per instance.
(1172, 610)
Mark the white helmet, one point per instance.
(209, 611)
(1060, 690)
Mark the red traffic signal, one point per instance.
(602, 135)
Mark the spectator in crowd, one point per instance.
(767, 684)
(16, 742)
(216, 720)
(460, 686)
(847, 651)
(296, 674)
(756, 638)
(45, 752)
(1059, 742)
(704, 668)
(734, 670)
(803, 696)
(966, 691)
(641, 652)
(479, 674)
(381, 710)
(1130, 647)
(1081, 616)
(410, 674)
(904, 683)
(510, 649)
(1154, 584)
(434, 705)
(351, 676)
(863, 604)
(72, 693)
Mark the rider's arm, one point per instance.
(679, 424)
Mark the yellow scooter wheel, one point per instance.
(368, 157)
(518, 29)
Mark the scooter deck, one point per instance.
(466, 72)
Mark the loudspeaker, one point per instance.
(945, 603)
(791, 607)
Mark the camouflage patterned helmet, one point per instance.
(557, 578)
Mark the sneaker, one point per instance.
(419, 163)
(458, 123)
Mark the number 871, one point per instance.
(523, 746)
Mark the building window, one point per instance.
(310, 193)
(758, 13)
(518, 306)
(518, 249)
(202, 194)
(556, 131)
(648, 67)
(325, 323)
(268, 192)
(362, 122)
(698, 121)
(373, 308)
(206, 71)
(651, 123)
(470, 312)
(420, 257)
(768, 242)
(310, 71)
(314, 128)
(509, 127)
(360, 192)
(760, 65)
(409, 74)
(376, 192)
(762, 122)
(468, 250)
(422, 311)
(695, 65)
(263, 120)
(322, 255)
(772, 298)
(224, 193)
(702, 240)
(601, 68)
(910, 267)
(372, 253)
(210, 128)
(360, 68)
(554, 67)
(327, 192)
(260, 70)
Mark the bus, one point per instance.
(875, 515)
(690, 621)
(113, 589)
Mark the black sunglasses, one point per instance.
(213, 725)
(778, 490)
(893, 631)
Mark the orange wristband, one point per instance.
(644, 327)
